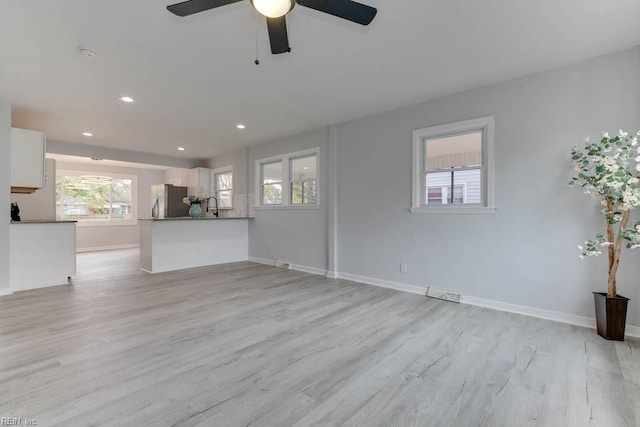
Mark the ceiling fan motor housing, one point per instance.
(273, 8)
(276, 11)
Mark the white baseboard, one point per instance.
(588, 322)
(556, 316)
(310, 270)
(107, 248)
(262, 261)
(383, 283)
(297, 267)
(632, 331)
(5, 292)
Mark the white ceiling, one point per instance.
(194, 79)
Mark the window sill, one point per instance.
(287, 207)
(475, 210)
(129, 223)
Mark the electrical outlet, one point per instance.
(403, 267)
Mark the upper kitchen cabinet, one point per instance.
(199, 181)
(27, 160)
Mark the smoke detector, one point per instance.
(86, 52)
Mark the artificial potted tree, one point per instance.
(609, 170)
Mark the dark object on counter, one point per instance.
(15, 212)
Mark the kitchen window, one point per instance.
(289, 180)
(223, 187)
(453, 168)
(96, 199)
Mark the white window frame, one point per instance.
(260, 183)
(214, 184)
(484, 124)
(110, 222)
(286, 179)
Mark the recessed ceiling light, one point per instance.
(306, 168)
(180, 148)
(126, 99)
(240, 126)
(87, 133)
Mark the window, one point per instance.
(441, 195)
(223, 187)
(303, 181)
(296, 173)
(96, 199)
(453, 168)
(271, 183)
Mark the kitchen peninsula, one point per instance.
(178, 243)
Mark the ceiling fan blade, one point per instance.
(278, 35)
(345, 9)
(190, 7)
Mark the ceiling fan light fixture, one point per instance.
(95, 179)
(273, 8)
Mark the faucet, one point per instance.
(209, 202)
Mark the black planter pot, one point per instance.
(611, 315)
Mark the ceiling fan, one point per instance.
(276, 10)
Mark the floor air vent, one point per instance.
(444, 294)
(283, 264)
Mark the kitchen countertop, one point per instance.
(188, 218)
(43, 221)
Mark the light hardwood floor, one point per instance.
(246, 344)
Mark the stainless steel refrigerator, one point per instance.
(166, 201)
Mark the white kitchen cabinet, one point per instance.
(199, 181)
(27, 160)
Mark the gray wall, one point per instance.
(237, 159)
(117, 235)
(5, 184)
(41, 204)
(526, 253)
(295, 235)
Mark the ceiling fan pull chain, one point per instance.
(276, 12)
(290, 25)
(255, 13)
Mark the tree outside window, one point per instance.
(224, 189)
(84, 197)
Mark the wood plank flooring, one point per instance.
(250, 345)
